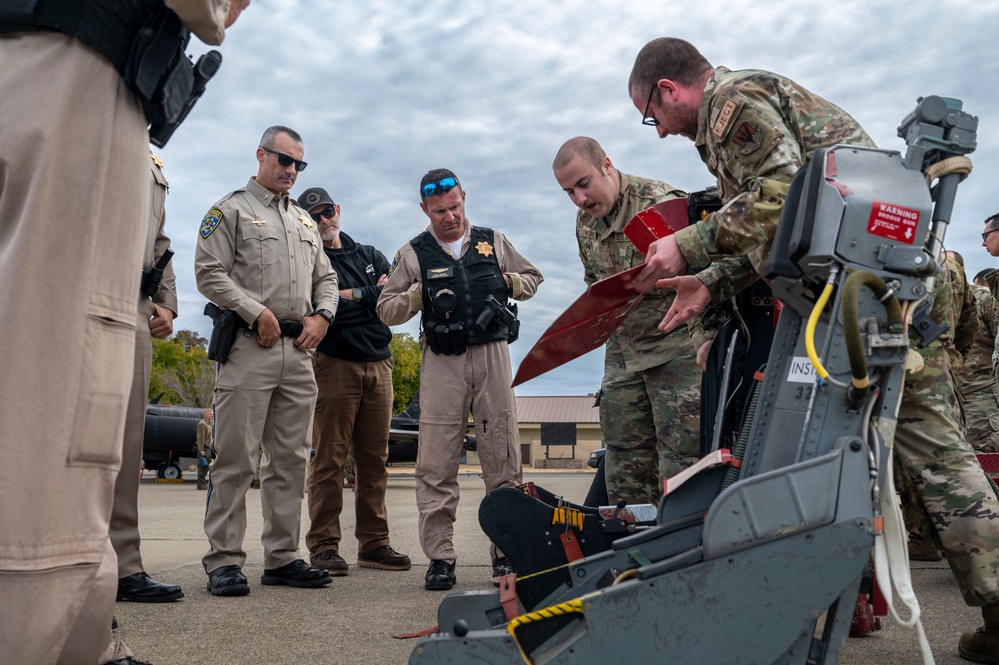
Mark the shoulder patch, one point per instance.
(748, 137)
(725, 116)
(210, 221)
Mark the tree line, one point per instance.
(182, 374)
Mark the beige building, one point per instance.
(558, 432)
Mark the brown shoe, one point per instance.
(982, 646)
(331, 561)
(383, 558)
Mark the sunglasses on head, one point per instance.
(443, 185)
(286, 160)
(329, 212)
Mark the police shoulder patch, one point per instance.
(210, 221)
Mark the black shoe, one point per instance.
(440, 576)
(296, 574)
(228, 581)
(128, 661)
(114, 624)
(141, 588)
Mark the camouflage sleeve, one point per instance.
(965, 312)
(754, 154)
(727, 277)
(704, 327)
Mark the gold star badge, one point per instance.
(484, 248)
(306, 221)
(156, 160)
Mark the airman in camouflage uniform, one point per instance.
(754, 130)
(650, 393)
(977, 378)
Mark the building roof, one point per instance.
(557, 409)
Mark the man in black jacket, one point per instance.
(353, 368)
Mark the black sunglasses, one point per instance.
(646, 120)
(986, 234)
(329, 212)
(285, 160)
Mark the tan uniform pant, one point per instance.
(353, 413)
(263, 397)
(478, 379)
(74, 188)
(125, 512)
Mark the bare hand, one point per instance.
(313, 331)
(692, 298)
(268, 329)
(702, 354)
(235, 8)
(161, 325)
(382, 281)
(663, 260)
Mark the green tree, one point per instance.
(406, 372)
(181, 370)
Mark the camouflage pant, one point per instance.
(982, 414)
(945, 493)
(650, 422)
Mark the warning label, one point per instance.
(893, 222)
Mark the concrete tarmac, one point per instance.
(353, 620)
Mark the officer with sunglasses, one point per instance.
(447, 274)
(260, 255)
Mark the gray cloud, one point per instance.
(382, 92)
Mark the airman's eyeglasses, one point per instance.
(986, 234)
(329, 212)
(286, 160)
(646, 119)
(443, 185)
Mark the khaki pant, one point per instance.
(478, 379)
(74, 187)
(264, 397)
(353, 413)
(125, 512)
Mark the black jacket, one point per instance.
(357, 333)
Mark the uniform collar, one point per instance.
(705, 110)
(265, 195)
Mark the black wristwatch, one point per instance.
(356, 295)
(326, 314)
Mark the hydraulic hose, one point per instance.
(860, 382)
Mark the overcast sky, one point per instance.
(382, 92)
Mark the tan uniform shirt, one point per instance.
(157, 241)
(400, 299)
(259, 251)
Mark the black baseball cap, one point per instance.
(313, 197)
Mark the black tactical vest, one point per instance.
(454, 293)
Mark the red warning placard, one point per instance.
(893, 222)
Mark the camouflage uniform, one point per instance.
(945, 493)
(650, 393)
(962, 320)
(977, 380)
(755, 130)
